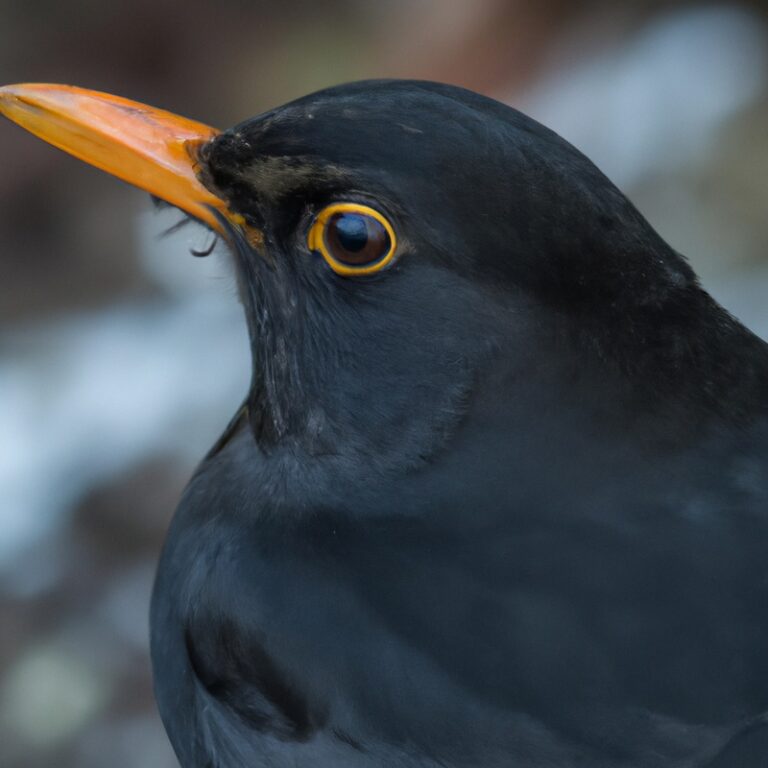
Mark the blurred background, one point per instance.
(122, 357)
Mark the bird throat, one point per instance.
(279, 398)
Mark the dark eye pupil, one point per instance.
(356, 239)
(352, 232)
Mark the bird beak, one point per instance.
(150, 148)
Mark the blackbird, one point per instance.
(498, 492)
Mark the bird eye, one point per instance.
(354, 239)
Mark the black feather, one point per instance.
(503, 503)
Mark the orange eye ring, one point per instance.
(379, 239)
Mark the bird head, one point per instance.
(405, 251)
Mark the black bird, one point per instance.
(498, 493)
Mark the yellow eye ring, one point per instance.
(354, 239)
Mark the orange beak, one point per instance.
(150, 148)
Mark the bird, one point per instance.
(497, 494)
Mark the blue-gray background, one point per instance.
(122, 357)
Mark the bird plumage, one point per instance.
(503, 503)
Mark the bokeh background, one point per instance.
(122, 357)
